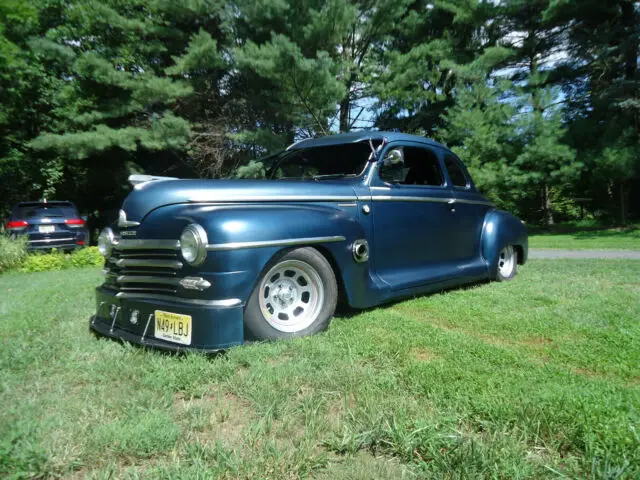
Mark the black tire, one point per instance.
(258, 327)
(507, 256)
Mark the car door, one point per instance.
(413, 225)
(470, 211)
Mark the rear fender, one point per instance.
(500, 228)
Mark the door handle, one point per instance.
(452, 204)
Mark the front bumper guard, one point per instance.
(217, 325)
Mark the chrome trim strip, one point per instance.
(389, 198)
(147, 244)
(155, 263)
(449, 200)
(475, 202)
(273, 243)
(347, 204)
(146, 279)
(49, 240)
(227, 302)
(266, 198)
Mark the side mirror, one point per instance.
(394, 158)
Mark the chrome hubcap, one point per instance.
(291, 296)
(507, 261)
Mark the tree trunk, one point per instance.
(345, 108)
(624, 200)
(546, 207)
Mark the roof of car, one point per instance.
(354, 137)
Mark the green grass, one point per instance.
(587, 238)
(535, 378)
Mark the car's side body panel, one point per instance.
(421, 239)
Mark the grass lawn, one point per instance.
(587, 238)
(535, 378)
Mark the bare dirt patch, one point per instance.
(216, 416)
(423, 355)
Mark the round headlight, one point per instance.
(193, 244)
(105, 242)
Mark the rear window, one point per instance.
(39, 211)
(456, 174)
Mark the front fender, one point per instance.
(500, 228)
(233, 272)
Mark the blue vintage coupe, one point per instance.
(365, 217)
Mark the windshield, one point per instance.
(331, 161)
(39, 211)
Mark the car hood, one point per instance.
(148, 196)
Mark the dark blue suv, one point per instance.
(53, 224)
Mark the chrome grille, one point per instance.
(144, 266)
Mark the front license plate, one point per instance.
(46, 229)
(173, 327)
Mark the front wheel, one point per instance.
(507, 263)
(296, 296)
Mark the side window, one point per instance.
(420, 167)
(456, 174)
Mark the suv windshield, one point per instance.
(331, 161)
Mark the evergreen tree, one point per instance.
(416, 81)
(25, 99)
(601, 81)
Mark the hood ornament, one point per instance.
(123, 222)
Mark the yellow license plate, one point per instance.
(173, 327)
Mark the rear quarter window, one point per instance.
(456, 173)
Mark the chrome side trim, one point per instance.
(389, 198)
(146, 279)
(156, 263)
(208, 198)
(449, 200)
(147, 244)
(227, 302)
(475, 202)
(273, 243)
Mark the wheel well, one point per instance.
(520, 253)
(342, 292)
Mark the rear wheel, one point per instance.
(296, 296)
(507, 263)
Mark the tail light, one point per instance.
(75, 222)
(80, 242)
(16, 224)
